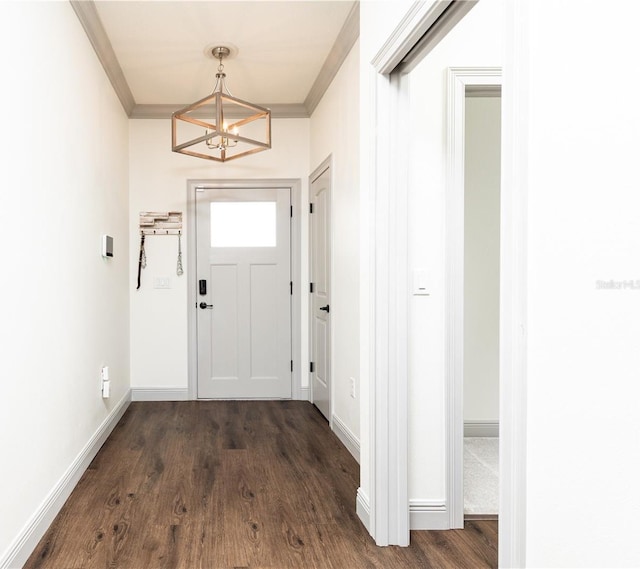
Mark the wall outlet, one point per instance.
(352, 387)
(105, 384)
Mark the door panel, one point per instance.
(244, 336)
(321, 296)
(223, 355)
(263, 312)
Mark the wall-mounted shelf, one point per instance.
(160, 222)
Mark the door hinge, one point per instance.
(291, 365)
(311, 367)
(290, 211)
(291, 288)
(310, 207)
(311, 287)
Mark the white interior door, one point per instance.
(320, 333)
(244, 296)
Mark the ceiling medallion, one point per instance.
(221, 127)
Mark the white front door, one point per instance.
(244, 296)
(320, 216)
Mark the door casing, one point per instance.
(383, 505)
(459, 78)
(294, 185)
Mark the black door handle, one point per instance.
(325, 308)
(205, 305)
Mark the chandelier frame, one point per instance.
(223, 104)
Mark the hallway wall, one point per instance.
(335, 131)
(158, 181)
(64, 309)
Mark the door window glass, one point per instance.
(243, 224)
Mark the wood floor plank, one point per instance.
(233, 484)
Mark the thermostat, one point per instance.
(107, 246)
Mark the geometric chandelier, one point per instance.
(221, 127)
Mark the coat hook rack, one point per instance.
(160, 222)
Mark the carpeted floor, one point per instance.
(481, 475)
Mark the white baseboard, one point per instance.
(481, 428)
(347, 438)
(363, 509)
(303, 394)
(27, 540)
(159, 394)
(428, 515)
(423, 514)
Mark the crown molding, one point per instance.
(344, 42)
(90, 20)
(278, 111)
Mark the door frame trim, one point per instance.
(295, 187)
(327, 163)
(458, 78)
(387, 510)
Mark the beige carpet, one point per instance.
(481, 484)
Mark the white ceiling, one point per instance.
(279, 48)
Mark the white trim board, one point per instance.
(363, 508)
(423, 514)
(27, 540)
(513, 288)
(428, 515)
(159, 394)
(459, 79)
(346, 436)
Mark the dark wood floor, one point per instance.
(212, 484)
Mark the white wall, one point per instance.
(475, 41)
(158, 181)
(64, 308)
(335, 131)
(482, 259)
(581, 127)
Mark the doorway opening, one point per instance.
(481, 389)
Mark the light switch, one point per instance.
(421, 282)
(162, 282)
